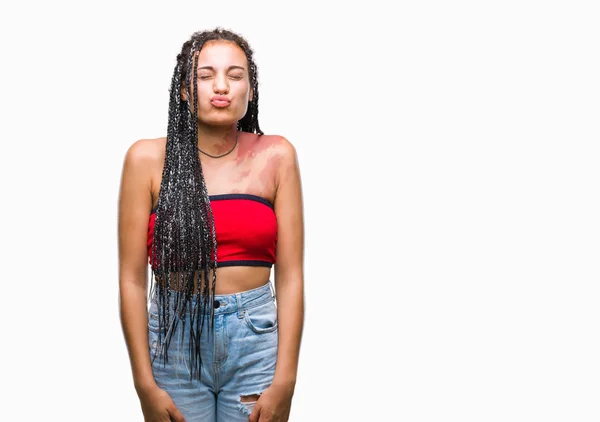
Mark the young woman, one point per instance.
(212, 207)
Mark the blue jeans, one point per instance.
(238, 357)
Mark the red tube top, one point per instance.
(246, 229)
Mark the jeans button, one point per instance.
(216, 304)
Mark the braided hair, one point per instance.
(184, 241)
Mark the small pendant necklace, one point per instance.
(222, 155)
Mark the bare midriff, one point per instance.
(229, 279)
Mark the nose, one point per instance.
(221, 86)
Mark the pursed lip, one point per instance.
(220, 99)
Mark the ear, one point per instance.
(251, 94)
(183, 93)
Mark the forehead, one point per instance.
(221, 54)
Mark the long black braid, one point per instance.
(184, 242)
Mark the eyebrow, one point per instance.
(229, 68)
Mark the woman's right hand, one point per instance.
(158, 406)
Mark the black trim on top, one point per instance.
(223, 196)
(245, 263)
(241, 196)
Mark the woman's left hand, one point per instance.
(273, 405)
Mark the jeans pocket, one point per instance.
(262, 318)
(156, 334)
(153, 323)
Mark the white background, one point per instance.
(449, 156)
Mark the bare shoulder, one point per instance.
(285, 154)
(274, 140)
(146, 151)
(279, 146)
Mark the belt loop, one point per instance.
(272, 289)
(240, 310)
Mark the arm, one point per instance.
(135, 202)
(289, 272)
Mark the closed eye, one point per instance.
(235, 77)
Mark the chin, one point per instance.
(218, 122)
(224, 119)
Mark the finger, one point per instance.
(254, 415)
(176, 415)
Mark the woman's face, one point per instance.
(223, 83)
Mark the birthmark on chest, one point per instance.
(240, 176)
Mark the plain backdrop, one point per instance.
(449, 157)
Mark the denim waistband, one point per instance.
(229, 303)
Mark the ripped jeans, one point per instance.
(238, 357)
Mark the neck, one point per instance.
(216, 140)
